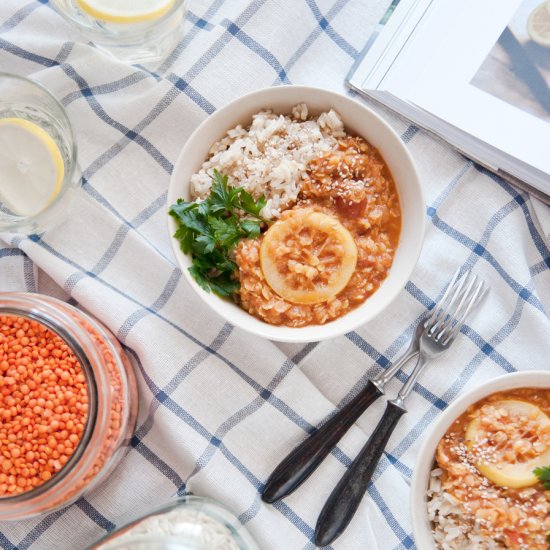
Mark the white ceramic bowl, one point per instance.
(359, 120)
(426, 456)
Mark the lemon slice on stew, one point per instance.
(308, 257)
(513, 444)
(31, 165)
(126, 11)
(538, 24)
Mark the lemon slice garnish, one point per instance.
(510, 461)
(126, 11)
(308, 258)
(538, 24)
(31, 165)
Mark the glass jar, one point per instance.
(111, 404)
(188, 523)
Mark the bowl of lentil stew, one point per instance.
(364, 135)
(473, 488)
(68, 404)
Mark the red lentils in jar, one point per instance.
(43, 404)
(68, 404)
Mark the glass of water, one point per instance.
(39, 172)
(133, 31)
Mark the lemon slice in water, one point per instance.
(31, 167)
(126, 11)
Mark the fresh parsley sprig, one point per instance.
(209, 230)
(543, 473)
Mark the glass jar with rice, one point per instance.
(188, 523)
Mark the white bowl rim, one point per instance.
(310, 333)
(424, 460)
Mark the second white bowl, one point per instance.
(422, 530)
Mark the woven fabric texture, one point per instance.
(219, 408)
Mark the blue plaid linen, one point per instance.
(218, 408)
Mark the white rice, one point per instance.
(186, 526)
(450, 529)
(271, 155)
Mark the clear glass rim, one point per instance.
(92, 391)
(158, 542)
(37, 219)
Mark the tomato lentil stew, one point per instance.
(354, 186)
(485, 491)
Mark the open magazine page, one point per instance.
(471, 72)
(478, 82)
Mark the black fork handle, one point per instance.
(306, 457)
(347, 495)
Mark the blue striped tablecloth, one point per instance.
(218, 408)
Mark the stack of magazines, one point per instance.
(475, 73)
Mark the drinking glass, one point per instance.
(131, 42)
(34, 129)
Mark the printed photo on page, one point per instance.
(517, 69)
(452, 86)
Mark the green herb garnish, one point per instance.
(209, 230)
(543, 474)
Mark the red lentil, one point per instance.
(43, 403)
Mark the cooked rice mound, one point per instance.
(270, 157)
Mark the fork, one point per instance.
(439, 331)
(301, 462)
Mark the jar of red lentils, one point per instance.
(68, 404)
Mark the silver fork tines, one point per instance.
(462, 295)
(450, 313)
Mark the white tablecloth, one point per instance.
(219, 409)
